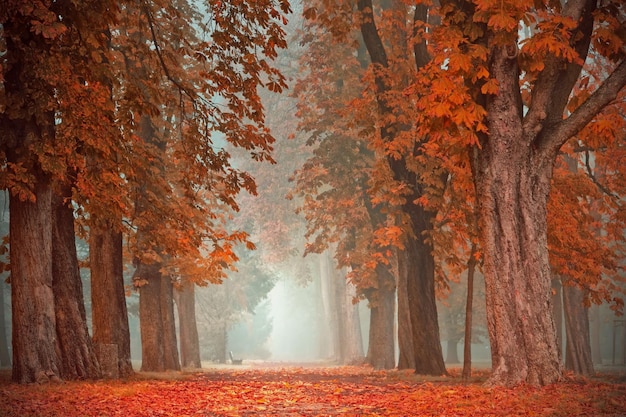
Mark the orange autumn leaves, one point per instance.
(307, 392)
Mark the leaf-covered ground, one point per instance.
(260, 391)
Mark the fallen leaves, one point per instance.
(308, 392)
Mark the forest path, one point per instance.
(308, 391)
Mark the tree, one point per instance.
(61, 56)
(511, 107)
(185, 297)
(390, 50)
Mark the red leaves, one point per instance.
(307, 392)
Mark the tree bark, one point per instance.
(35, 356)
(578, 346)
(350, 339)
(170, 344)
(185, 298)
(78, 359)
(158, 339)
(5, 358)
(109, 313)
(381, 349)
(406, 359)
(512, 182)
(421, 296)
(557, 312)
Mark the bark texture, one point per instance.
(35, 357)
(467, 343)
(156, 314)
(557, 299)
(5, 358)
(381, 349)
(78, 358)
(578, 345)
(108, 298)
(513, 182)
(185, 298)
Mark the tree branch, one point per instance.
(556, 136)
(157, 48)
(555, 83)
(593, 178)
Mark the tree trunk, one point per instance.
(381, 351)
(170, 345)
(467, 343)
(512, 182)
(5, 359)
(452, 355)
(557, 312)
(329, 307)
(189, 342)
(578, 347)
(109, 313)
(421, 296)
(349, 327)
(78, 359)
(419, 267)
(406, 359)
(594, 330)
(35, 357)
(158, 336)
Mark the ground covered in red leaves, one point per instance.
(303, 391)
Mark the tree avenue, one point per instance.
(72, 106)
(461, 161)
(444, 137)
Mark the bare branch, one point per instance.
(595, 180)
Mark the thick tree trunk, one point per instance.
(158, 336)
(421, 297)
(513, 181)
(381, 350)
(109, 313)
(35, 357)
(185, 299)
(78, 359)
(578, 347)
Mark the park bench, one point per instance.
(233, 360)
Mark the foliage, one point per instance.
(188, 73)
(309, 392)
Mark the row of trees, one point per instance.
(438, 132)
(115, 120)
(468, 134)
